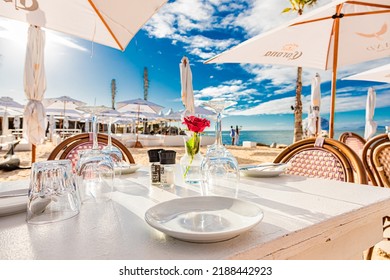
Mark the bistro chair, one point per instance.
(380, 160)
(323, 158)
(367, 157)
(69, 148)
(354, 141)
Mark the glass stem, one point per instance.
(94, 133)
(218, 130)
(109, 144)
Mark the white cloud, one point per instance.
(233, 90)
(345, 102)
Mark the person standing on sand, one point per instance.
(232, 134)
(237, 137)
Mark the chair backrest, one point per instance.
(381, 160)
(354, 141)
(367, 156)
(69, 148)
(323, 158)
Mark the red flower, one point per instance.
(196, 124)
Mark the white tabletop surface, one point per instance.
(302, 216)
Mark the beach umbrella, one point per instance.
(314, 125)
(140, 106)
(371, 125)
(8, 103)
(187, 91)
(203, 111)
(64, 105)
(110, 23)
(337, 34)
(34, 120)
(378, 74)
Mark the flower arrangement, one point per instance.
(196, 126)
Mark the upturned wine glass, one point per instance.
(219, 168)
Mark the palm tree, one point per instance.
(146, 83)
(113, 93)
(298, 6)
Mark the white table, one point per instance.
(303, 219)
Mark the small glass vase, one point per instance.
(190, 166)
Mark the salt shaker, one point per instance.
(167, 168)
(154, 160)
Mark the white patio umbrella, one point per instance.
(378, 74)
(64, 105)
(314, 124)
(110, 23)
(34, 120)
(8, 103)
(337, 34)
(371, 125)
(140, 106)
(187, 91)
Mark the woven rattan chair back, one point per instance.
(323, 158)
(367, 157)
(381, 160)
(354, 141)
(69, 148)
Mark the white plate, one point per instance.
(127, 168)
(13, 205)
(204, 218)
(265, 171)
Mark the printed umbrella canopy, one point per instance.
(346, 32)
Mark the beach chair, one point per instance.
(367, 157)
(68, 149)
(323, 158)
(354, 141)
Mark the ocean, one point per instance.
(267, 137)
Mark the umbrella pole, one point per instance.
(33, 153)
(334, 71)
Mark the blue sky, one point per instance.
(199, 30)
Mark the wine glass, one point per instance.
(95, 168)
(218, 106)
(219, 168)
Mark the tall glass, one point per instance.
(95, 168)
(219, 168)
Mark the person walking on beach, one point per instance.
(232, 134)
(237, 137)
